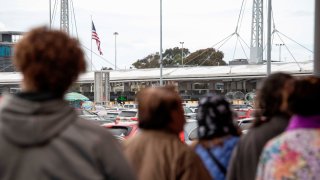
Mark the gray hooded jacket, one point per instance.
(46, 140)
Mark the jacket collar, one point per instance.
(26, 122)
(307, 122)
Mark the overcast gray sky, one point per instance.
(199, 24)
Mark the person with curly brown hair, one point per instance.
(271, 119)
(41, 137)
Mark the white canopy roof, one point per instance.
(185, 73)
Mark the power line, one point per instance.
(243, 49)
(75, 20)
(54, 11)
(239, 16)
(245, 4)
(235, 47)
(98, 55)
(295, 42)
(6, 67)
(289, 52)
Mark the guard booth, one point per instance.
(102, 87)
(7, 41)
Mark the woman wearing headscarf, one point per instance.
(217, 134)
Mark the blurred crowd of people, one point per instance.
(42, 137)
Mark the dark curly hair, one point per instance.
(270, 98)
(49, 60)
(306, 97)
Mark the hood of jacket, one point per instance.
(26, 122)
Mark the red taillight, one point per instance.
(181, 136)
(134, 119)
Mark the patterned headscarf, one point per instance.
(215, 117)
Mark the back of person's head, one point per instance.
(272, 97)
(305, 97)
(160, 109)
(49, 60)
(215, 118)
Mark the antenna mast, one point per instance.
(64, 16)
(256, 45)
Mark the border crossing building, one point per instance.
(191, 82)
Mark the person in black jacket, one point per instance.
(271, 119)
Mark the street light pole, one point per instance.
(281, 44)
(182, 53)
(50, 20)
(316, 60)
(161, 81)
(115, 50)
(269, 38)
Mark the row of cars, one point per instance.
(123, 123)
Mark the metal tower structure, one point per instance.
(64, 15)
(256, 45)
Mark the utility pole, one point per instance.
(316, 63)
(115, 50)
(280, 50)
(50, 20)
(182, 53)
(269, 39)
(161, 81)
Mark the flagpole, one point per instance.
(50, 14)
(91, 41)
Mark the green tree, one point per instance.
(170, 57)
(106, 68)
(151, 61)
(206, 57)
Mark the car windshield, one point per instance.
(112, 114)
(241, 113)
(128, 114)
(189, 130)
(193, 135)
(84, 112)
(120, 131)
(240, 106)
(187, 110)
(246, 124)
(116, 109)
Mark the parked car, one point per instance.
(188, 113)
(194, 109)
(122, 130)
(115, 109)
(244, 113)
(190, 131)
(98, 109)
(245, 124)
(87, 115)
(111, 115)
(130, 106)
(128, 115)
(241, 106)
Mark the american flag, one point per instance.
(96, 37)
